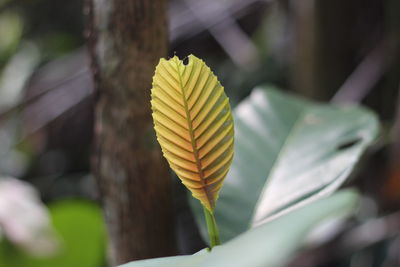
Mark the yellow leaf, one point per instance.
(194, 125)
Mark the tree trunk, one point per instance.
(330, 41)
(126, 39)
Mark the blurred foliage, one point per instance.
(79, 225)
(37, 32)
(11, 32)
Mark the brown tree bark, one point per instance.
(126, 39)
(330, 40)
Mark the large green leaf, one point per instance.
(289, 151)
(271, 244)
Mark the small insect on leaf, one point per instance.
(194, 125)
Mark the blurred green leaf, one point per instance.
(81, 229)
(11, 27)
(192, 260)
(271, 244)
(16, 73)
(288, 152)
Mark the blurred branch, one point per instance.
(226, 32)
(395, 133)
(55, 103)
(367, 73)
(396, 126)
(392, 184)
(32, 99)
(184, 25)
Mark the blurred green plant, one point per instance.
(11, 26)
(80, 227)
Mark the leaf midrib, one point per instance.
(193, 139)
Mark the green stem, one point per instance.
(212, 228)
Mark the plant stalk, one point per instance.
(212, 228)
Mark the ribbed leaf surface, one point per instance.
(194, 125)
